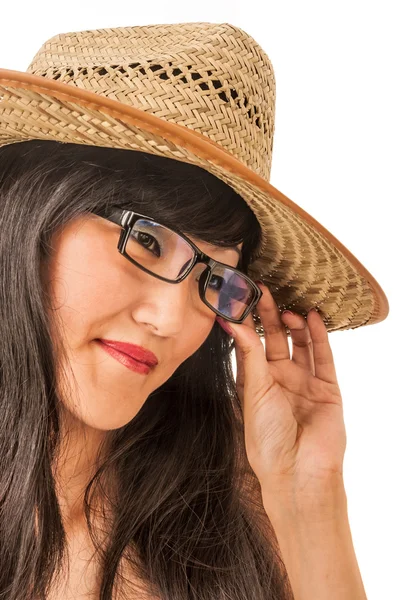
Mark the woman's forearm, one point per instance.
(316, 544)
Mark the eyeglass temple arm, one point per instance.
(113, 213)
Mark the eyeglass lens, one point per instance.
(165, 253)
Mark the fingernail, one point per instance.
(287, 312)
(225, 326)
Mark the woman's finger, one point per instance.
(240, 370)
(254, 378)
(276, 339)
(302, 352)
(323, 356)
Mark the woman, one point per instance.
(145, 470)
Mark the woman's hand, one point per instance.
(292, 407)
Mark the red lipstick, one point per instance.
(134, 357)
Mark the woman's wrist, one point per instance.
(310, 500)
(315, 542)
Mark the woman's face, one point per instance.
(97, 293)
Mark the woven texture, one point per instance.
(213, 79)
(226, 93)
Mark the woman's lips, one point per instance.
(124, 359)
(136, 352)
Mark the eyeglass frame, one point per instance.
(126, 220)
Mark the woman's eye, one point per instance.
(216, 282)
(147, 240)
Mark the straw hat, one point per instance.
(202, 93)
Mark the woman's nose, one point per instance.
(169, 306)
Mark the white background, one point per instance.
(336, 154)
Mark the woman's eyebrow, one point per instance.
(235, 248)
(219, 247)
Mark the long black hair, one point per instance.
(188, 517)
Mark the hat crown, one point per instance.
(212, 78)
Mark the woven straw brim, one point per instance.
(301, 262)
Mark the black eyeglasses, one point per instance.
(170, 256)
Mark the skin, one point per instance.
(292, 406)
(295, 440)
(293, 411)
(97, 293)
